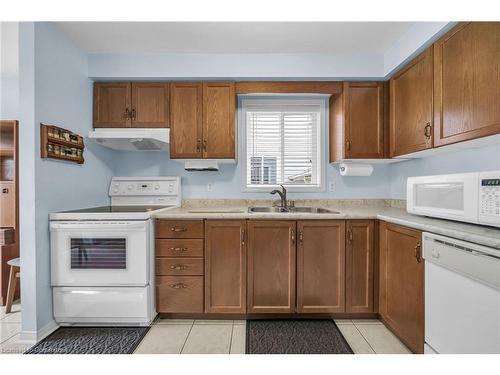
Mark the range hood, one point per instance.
(132, 139)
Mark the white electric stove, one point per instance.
(102, 258)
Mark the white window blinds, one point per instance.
(283, 142)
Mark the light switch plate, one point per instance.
(331, 186)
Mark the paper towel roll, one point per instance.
(355, 169)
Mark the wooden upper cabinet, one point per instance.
(112, 105)
(360, 266)
(186, 120)
(401, 300)
(467, 83)
(357, 122)
(225, 266)
(321, 266)
(271, 266)
(150, 105)
(218, 120)
(411, 114)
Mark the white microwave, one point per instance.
(469, 197)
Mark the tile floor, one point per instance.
(185, 336)
(10, 326)
(174, 336)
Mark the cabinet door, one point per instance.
(150, 105)
(225, 266)
(112, 105)
(359, 266)
(402, 284)
(364, 117)
(411, 107)
(185, 120)
(321, 266)
(8, 204)
(467, 83)
(271, 266)
(218, 120)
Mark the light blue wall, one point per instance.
(9, 70)
(62, 96)
(473, 160)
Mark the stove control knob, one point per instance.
(130, 187)
(116, 190)
(157, 187)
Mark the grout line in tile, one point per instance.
(8, 338)
(368, 342)
(187, 337)
(231, 339)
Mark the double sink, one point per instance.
(291, 210)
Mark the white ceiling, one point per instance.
(234, 37)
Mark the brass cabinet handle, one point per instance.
(132, 115)
(301, 236)
(178, 286)
(205, 144)
(127, 114)
(293, 235)
(198, 145)
(178, 248)
(349, 235)
(243, 235)
(427, 130)
(181, 229)
(418, 253)
(347, 144)
(178, 267)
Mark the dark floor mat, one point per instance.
(295, 337)
(91, 340)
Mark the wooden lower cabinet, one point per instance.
(401, 300)
(225, 266)
(360, 246)
(271, 266)
(321, 266)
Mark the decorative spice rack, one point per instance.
(61, 144)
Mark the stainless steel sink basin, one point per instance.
(291, 210)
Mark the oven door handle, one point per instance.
(96, 226)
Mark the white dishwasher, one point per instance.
(462, 296)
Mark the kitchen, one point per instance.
(345, 211)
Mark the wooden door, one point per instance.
(150, 105)
(467, 83)
(364, 120)
(359, 266)
(411, 106)
(321, 266)
(271, 266)
(186, 120)
(225, 266)
(112, 105)
(218, 120)
(401, 301)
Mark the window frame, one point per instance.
(283, 99)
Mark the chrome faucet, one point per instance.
(282, 194)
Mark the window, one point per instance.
(283, 142)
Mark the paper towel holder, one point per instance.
(355, 169)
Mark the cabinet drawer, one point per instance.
(179, 294)
(179, 248)
(179, 266)
(179, 228)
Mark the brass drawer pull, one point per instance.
(301, 236)
(349, 232)
(178, 286)
(198, 145)
(178, 248)
(205, 144)
(427, 130)
(178, 267)
(181, 229)
(133, 114)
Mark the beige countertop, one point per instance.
(355, 209)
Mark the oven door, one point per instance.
(452, 197)
(112, 253)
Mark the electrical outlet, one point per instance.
(331, 186)
(210, 186)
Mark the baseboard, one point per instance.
(32, 337)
